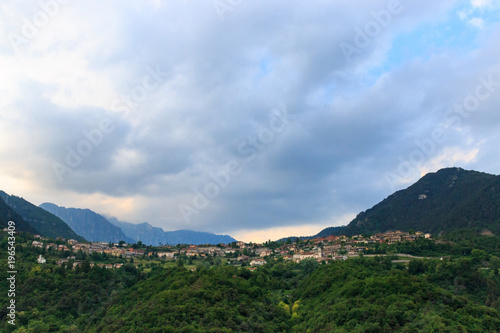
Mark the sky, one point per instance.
(258, 119)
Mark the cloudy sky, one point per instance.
(259, 119)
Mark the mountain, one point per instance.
(451, 198)
(150, 235)
(88, 224)
(323, 233)
(143, 232)
(330, 231)
(46, 223)
(8, 214)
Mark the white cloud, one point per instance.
(476, 22)
(482, 4)
(453, 156)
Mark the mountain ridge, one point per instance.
(441, 201)
(88, 224)
(8, 214)
(45, 223)
(155, 236)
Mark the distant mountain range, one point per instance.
(148, 234)
(39, 219)
(54, 221)
(88, 224)
(446, 200)
(449, 199)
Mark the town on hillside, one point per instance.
(251, 255)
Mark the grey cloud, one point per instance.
(225, 77)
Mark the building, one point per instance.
(167, 255)
(257, 262)
(41, 260)
(266, 253)
(37, 244)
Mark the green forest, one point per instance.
(457, 292)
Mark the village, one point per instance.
(251, 255)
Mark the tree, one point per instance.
(416, 267)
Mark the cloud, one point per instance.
(485, 3)
(218, 84)
(477, 22)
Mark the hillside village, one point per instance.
(323, 250)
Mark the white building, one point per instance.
(41, 260)
(257, 262)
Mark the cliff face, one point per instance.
(88, 224)
(150, 235)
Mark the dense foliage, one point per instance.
(372, 296)
(52, 298)
(461, 292)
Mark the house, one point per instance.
(37, 244)
(135, 252)
(259, 250)
(331, 238)
(266, 253)
(167, 255)
(319, 240)
(304, 255)
(257, 262)
(41, 260)
(62, 248)
(326, 260)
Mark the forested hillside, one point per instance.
(447, 200)
(8, 214)
(41, 220)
